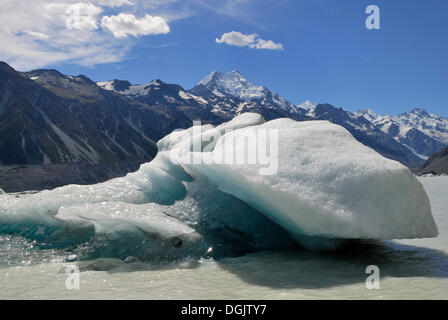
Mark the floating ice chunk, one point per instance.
(327, 185)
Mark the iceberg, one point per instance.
(221, 191)
(327, 184)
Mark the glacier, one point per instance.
(327, 189)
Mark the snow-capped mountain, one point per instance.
(308, 108)
(141, 90)
(221, 96)
(232, 84)
(423, 133)
(115, 85)
(431, 124)
(218, 85)
(218, 97)
(168, 98)
(71, 118)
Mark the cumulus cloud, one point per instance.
(235, 38)
(268, 45)
(40, 33)
(124, 25)
(82, 16)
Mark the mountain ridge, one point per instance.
(110, 121)
(437, 164)
(422, 132)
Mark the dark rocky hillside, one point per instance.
(437, 164)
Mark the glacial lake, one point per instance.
(409, 269)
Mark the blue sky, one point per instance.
(328, 55)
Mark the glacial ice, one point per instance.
(327, 187)
(327, 184)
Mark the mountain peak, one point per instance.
(115, 85)
(6, 67)
(213, 75)
(138, 90)
(367, 113)
(234, 84)
(156, 82)
(307, 105)
(420, 111)
(216, 76)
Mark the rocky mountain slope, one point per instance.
(437, 164)
(48, 118)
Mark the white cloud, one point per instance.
(82, 16)
(114, 3)
(235, 38)
(268, 45)
(40, 33)
(124, 25)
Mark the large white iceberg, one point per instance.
(209, 191)
(327, 184)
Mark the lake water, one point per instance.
(409, 269)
